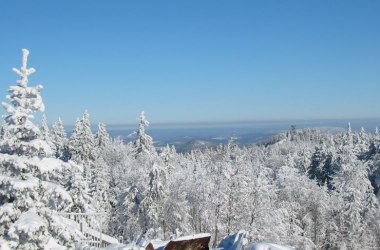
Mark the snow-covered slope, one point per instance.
(268, 246)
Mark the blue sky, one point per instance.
(197, 61)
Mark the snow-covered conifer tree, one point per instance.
(129, 214)
(60, 141)
(348, 136)
(30, 182)
(22, 137)
(114, 168)
(357, 197)
(322, 167)
(44, 128)
(45, 132)
(154, 198)
(100, 182)
(78, 189)
(81, 146)
(300, 207)
(100, 185)
(362, 143)
(143, 143)
(102, 138)
(82, 141)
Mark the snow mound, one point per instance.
(268, 246)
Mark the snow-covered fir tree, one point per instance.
(82, 140)
(100, 176)
(44, 129)
(21, 136)
(322, 167)
(45, 133)
(356, 198)
(102, 138)
(82, 144)
(79, 191)
(60, 141)
(152, 205)
(31, 185)
(143, 143)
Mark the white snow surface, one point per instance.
(74, 227)
(158, 243)
(49, 164)
(282, 141)
(70, 227)
(53, 245)
(123, 247)
(6, 211)
(44, 165)
(268, 246)
(29, 222)
(105, 237)
(192, 237)
(41, 145)
(4, 245)
(57, 191)
(19, 185)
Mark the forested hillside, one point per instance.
(304, 188)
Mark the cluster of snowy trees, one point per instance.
(305, 188)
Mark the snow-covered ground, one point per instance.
(268, 246)
(124, 247)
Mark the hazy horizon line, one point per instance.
(243, 122)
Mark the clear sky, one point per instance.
(198, 60)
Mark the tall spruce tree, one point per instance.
(102, 138)
(81, 145)
(322, 167)
(82, 140)
(31, 185)
(22, 137)
(143, 143)
(60, 141)
(154, 199)
(356, 195)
